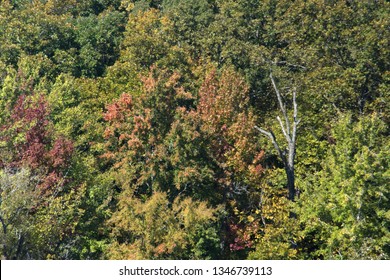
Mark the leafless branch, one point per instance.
(290, 136)
(281, 105)
(285, 133)
(271, 136)
(279, 63)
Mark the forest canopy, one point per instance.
(210, 129)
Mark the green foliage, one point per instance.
(15, 212)
(276, 234)
(34, 227)
(98, 38)
(344, 208)
(190, 20)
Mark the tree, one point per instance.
(161, 141)
(155, 148)
(290, 133)
(344, 209)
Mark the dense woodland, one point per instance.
(208, 129)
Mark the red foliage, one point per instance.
(61, 152)
(242, 236)
(127, 127)
(117, 110)
(31, 118)
(31, 141)
(224, 110)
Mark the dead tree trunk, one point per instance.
(290, 133)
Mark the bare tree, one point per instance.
(290, 133)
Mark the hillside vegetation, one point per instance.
(208, 129)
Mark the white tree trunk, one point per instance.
(290, 133)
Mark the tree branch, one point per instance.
(283, 130)
(271, 136)
(3, 225)
(296, 120)
(280, 63)
(281, 105)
